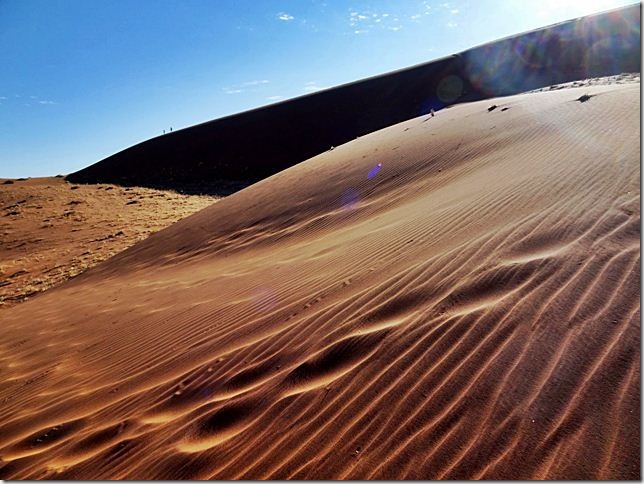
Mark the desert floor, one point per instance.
(51, 230)
(452, 297)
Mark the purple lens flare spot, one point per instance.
(374, 171)
(349, 199)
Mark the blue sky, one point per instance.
(83, 79)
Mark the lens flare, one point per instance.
(553, 55)
(349, 199)
(374, 171)
(449, 88)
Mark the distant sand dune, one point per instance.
(227, 154)
(468, 309)
(51, 230)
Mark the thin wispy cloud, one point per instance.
(449, 7)
(355, 19)
(363, 22)
(274, 98)
(285, 16)
(255, 83)
(312, 86)
(245, 86)
(451, 25)
(32, 100)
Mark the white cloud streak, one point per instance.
(244, 86)
(312, 87)
(364, 22)
(255, 83)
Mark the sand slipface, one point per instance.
(453, 297)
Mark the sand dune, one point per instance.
(229, 153)
(451, 297)
(51, 230)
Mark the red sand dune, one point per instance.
(451, 297)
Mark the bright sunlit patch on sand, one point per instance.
(264, 299)
(380, 325)
(204, 443)
(374, 171)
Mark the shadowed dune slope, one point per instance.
(223, 155)
(450, 297)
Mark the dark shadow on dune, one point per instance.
(225, 155)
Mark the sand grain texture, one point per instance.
(468, 309)
(51, 230)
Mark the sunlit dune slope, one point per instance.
(452, 297)
(228, 153)
(51, 231)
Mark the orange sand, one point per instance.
(471, 311)
(51, 230)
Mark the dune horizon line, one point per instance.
(230, 153)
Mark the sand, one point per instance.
(226, 154)
(452, 297)
(51, 230)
